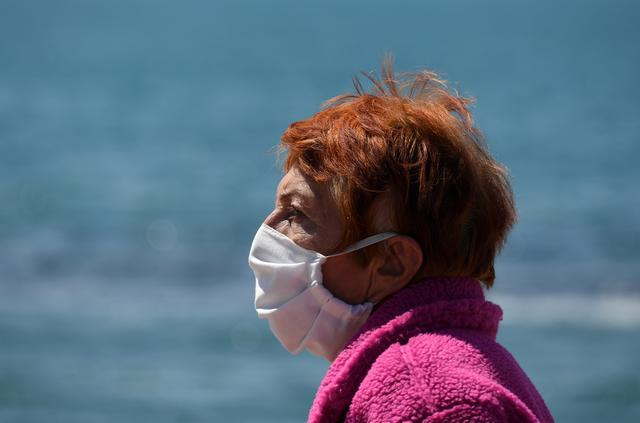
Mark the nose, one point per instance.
(275, 220)
(272, 219)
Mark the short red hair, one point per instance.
(412, 141)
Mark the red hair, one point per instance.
(411, 142)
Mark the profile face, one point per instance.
(306, 213)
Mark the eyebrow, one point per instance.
(290, 191)
(287, 195)
(294, 194)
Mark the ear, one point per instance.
(395, 267)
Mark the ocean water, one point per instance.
(137, 160)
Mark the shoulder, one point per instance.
(441, 376)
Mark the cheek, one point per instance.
(346, 279)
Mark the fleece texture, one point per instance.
(429, 354)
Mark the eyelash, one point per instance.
(296, 213)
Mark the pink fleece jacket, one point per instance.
(429, 354)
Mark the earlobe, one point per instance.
(396, 267)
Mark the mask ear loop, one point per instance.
(369, 290)
(373, 239)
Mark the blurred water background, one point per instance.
(136, 162)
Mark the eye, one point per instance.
(295, 214)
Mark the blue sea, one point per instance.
(137, 159)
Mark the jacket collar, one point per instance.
(422, 293)
(432, 304)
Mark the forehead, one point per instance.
(295, 184)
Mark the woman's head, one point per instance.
(404, 157)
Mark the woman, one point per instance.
(385, 229)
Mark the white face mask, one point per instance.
(301, 312)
